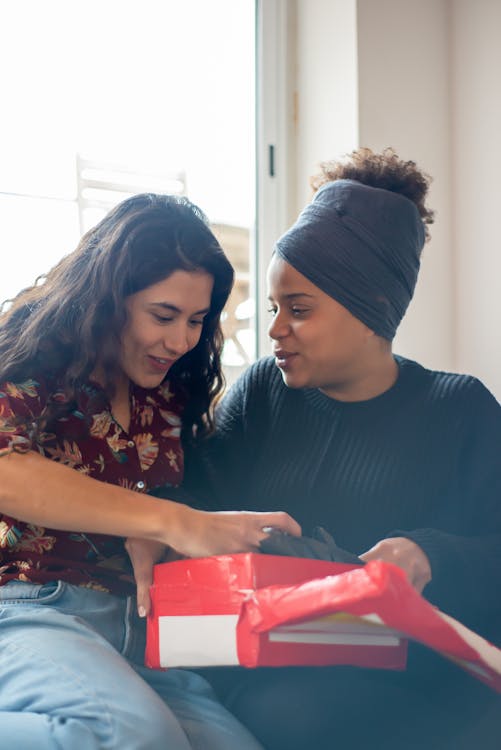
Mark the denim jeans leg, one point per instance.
(208, 725)
(63, 685)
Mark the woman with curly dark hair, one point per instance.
(398, 462)
(109, 365)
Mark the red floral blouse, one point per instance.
(89, 440)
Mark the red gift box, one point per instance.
(262, 610)
(200, 617)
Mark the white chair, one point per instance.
(101, 185)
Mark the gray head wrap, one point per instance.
(360, 245)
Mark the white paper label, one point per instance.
(198, 640)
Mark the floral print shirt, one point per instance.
(89, 440)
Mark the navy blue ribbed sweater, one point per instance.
(422, 460)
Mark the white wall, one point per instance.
(476, 164)
(403, 98)
(427, 81)
(326, 86)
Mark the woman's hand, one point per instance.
(407, 555)
(144, 554)
(199, 533)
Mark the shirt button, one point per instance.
(131, 443)
(140, 485)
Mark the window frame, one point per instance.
(276, 115)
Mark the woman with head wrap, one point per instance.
(397, 462)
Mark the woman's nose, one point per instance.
(177, 340)
(278, 327)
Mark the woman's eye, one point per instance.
(299, 310)
(272, 310)
(162, 319)
(196, 323)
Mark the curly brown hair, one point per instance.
(73, 317)
(385, 170)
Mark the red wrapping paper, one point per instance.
(262, 610)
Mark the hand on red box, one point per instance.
(202, 534)
(407, 555)
(144, 554)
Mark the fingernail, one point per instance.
(141, 611)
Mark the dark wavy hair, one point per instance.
(385, 170)
(74, 315)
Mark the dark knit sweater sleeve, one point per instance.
(466, 568)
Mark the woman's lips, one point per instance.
(159, 363)
(284, 359)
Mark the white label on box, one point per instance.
(197, 640)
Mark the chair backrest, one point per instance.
(101, 185)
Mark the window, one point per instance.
(157, 95)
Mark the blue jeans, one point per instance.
(71, 677)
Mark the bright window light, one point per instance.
(157, 87)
